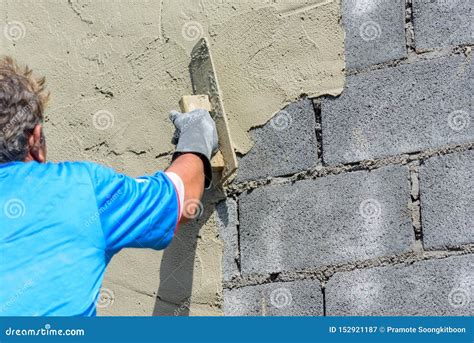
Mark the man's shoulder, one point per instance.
(72, 167)
(65, 170)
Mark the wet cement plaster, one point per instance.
(115, 70)
(267, 53)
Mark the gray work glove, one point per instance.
(196, 133)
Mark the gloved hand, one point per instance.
(196, 133)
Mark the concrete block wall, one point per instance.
(362, 204)
(359, 201)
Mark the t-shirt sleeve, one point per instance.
(135, 213)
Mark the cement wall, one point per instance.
(343, 205)
(362, 204)
(117, 67)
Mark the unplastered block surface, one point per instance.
(429, 288)
(402, 109)
(310, 224)
(285, 145)
(298, 298)
(375, 31)
(442, 23)
(447, 200)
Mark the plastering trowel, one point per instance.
(208, 96)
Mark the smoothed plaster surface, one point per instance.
(122, 65)
(267, 53)
(116, 68)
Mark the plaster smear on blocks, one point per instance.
(267, 53)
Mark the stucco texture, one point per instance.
(116, 68)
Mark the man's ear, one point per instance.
(37, 148)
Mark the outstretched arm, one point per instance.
(196, 139)
(190, 168)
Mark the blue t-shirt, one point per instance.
(60, 224)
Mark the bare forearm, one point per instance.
(190, 168)
(196, 132)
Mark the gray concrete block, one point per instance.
(375, 31)
(442, 287)
(227, 222)
(244, 301)
(298, 298)
(443, 23)
(285, 145)
(399, 110)
(335, 219)
(447, 200)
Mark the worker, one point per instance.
(61, 223)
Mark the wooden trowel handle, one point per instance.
(190, 103)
